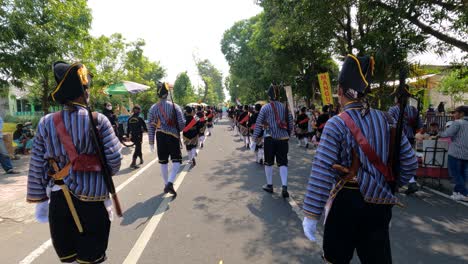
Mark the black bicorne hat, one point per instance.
(356, 75)
(163, 89)
(274, 92)
(72, 81)
(258, 107)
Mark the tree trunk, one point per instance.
(45, 94)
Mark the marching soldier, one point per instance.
(259, 143)
(190, 132)
(412, 123)
(302, 124)
(210, 114)
(64, 161)
(278, 126)
(202, 121)
(243, 126)
(168, 116)
(135, 128)
(350, 179)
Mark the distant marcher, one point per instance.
(135, 128)
(458, 152)
(5, 160)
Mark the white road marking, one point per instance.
(36, 253)
(140, 244)
(41, 249)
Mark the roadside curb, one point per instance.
(443, 195)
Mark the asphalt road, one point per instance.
(221, 215)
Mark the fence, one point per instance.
(441, 120)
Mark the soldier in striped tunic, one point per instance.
(166, 123)
(412, 123)
(277, 122)
(66, 191)
(355, 192)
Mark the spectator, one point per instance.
(23, 136)
(441, 108)
(420, 137)
(433, 129)
(458, 152)
(111, 116)
(5, 160)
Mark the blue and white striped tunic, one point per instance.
(411, 115)
(86, 186)
(268, 115)
(336, 146)
(458, 132)
(157, 120)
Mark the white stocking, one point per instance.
(164, 172)
(284, 175)
(269, 174)
(175, 169)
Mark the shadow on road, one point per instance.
(142, 210)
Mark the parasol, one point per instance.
(125, 87)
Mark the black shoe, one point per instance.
(141, 161)
(209, 134)
(12, 171)
(268, 188)
(170, 189)
(260, 162)
(134, 166)
(307, 145)
(412, 188)
(201, 146)
(194, 162)
(284, 192)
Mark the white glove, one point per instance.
(152, 148)
(42, 212)
(253, 145)
(310, 227)
(108, 205)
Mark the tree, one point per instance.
(183, 89)
(213, 81)
(455, 84)
(37, 33)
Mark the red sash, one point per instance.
(366, 148)
(190, 125)
(244, 119)
(303, 121)
(209, 116)
(253, 127)
(80, 162)
(169, 122)
(281, 124)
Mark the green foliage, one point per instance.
(213, 82)
(455, 85)
(183, 90)
(37, 32)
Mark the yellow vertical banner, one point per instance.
(325, 88)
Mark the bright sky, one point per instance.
(176, 29)
(173, 29)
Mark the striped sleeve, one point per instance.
(322, 176)
(408, 161)
(258, 124)
(180, 118)
(152, 127)
(112, 146)
(37, 182)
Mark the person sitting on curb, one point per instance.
(5, 160)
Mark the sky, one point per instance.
(174, 30)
